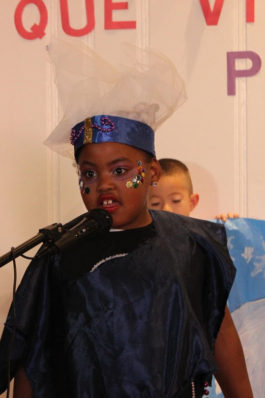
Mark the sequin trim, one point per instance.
(76, 134)
(193, 392)
(107, 259)
(106, 125)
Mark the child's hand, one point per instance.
(223, 217)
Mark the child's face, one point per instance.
(105, 169)
(172, 194)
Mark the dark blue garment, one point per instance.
(140, 323)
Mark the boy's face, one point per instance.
(172, 194)
(105, 169)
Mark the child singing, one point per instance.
(134, 312)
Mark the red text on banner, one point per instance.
(37, 31)
(109, 23)
(212, 15)
(90, 16)
(250, 10)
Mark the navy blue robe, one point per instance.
(132, 314)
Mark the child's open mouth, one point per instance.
(109, 204)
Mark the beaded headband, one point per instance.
(105, 128)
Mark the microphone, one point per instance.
(94, 223)
(58, 237)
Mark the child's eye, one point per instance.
(155, 204)
(89, 174)
(120, 171)
(176, 201)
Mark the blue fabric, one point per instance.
(141, 325)
(107, 128)
(246, 244)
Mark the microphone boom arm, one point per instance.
(58, 237)
(47, 234)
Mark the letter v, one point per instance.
(211, 16)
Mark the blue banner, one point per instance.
(246, 244)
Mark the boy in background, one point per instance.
(174, 192)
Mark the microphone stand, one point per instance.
(47, 234)
(58, 236)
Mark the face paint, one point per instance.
(83, 189)
(118, 173)
(139, 178)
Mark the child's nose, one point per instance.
(167, 207)
(105, 183)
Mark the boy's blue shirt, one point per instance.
(142, 323)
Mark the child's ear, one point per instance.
(155, 171)
(194, 200)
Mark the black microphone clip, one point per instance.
(95, 222)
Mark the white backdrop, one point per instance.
(219, 136)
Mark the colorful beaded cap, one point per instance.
(106, 128)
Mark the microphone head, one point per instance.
(102, 218)
(95, 222)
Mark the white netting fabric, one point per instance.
(146, 87)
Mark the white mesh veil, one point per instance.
(146, 87)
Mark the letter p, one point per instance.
(233, 73)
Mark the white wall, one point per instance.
(219, 136)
